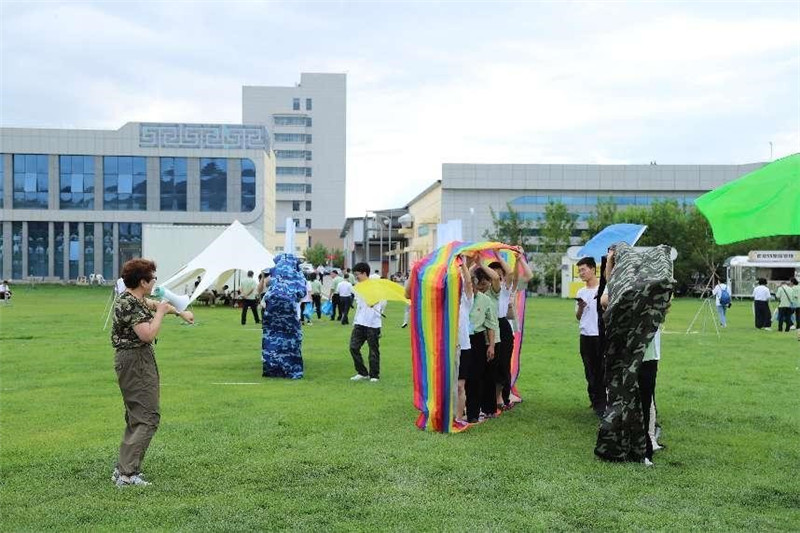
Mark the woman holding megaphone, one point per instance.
(137, 321)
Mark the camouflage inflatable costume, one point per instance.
(639, 295)
(282, 335)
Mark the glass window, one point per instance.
(293, 138)
(308, 205)
(290, 187)
(248, 185)
(308, 188)
(291, 154)
(308, 223)
(2, 196)
(296, 222)
(290, 171)
(213, 184)
(308, 122)
(74, 250)
(173, 183)
(38, 248)
(308, 155)
(124, 183)
(422, 230)
(108, 250)
(308, 172)
(16, 250)
(88, 248)
(58, 259)
(289, 120)
(296, 104)
(308, 104)
(76, 181)
(296, 205)
(591, 200)
(130, 241)
(30, 181)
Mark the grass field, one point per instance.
(324, 453)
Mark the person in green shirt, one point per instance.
(316, 294)
(484, 333)
(784, 295)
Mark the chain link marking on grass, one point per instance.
(435, 295)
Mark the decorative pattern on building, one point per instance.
(221, 136)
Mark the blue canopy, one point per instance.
(597, 246)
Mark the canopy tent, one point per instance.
(234, 249)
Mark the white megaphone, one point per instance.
(179, 302)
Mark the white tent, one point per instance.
(234, 249)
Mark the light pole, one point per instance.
(472, 223)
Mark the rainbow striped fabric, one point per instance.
(435, 288)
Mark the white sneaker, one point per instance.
(648, 462)
(136, 479)
(115, 474)
(373, 380)
(358, 377)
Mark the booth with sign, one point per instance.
(743, 271)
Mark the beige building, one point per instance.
(419, 225)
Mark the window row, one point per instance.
(296, 205)
(293, 171)
(293, 138)
(74, 243)
(293, 154)
(581, 199)
(299, 188)
(292, 120)
(125, 183)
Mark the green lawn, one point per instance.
(324, 453)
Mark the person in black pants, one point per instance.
(249, 294)
(647, 387)
(591, 355)
(480, 382)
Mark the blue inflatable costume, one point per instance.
(282, 336)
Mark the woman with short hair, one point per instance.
(137, 321)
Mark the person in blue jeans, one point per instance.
(722, 308)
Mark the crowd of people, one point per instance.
(787, 313)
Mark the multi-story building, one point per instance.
(308, 125)
(79, 202)
(468, 191)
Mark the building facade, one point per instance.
(308, 125)
(376, 239)
(75, 202)
(468, 191)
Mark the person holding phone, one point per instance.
(590, 346)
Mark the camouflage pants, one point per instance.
(630, 327)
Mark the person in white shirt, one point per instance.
(464, 330)
(591, 354)
(345, 291)
(761, 298)
(366, 328)
(721, 308)
(375, 275)
(5, 291)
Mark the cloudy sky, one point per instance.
(428, 83)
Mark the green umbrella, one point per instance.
(763, 203)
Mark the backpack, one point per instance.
(725, 298)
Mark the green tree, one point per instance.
(317, 254)
(510, 228)
(604, 215)
(338, 257)
(555, 231)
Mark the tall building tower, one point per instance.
(309, 133)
